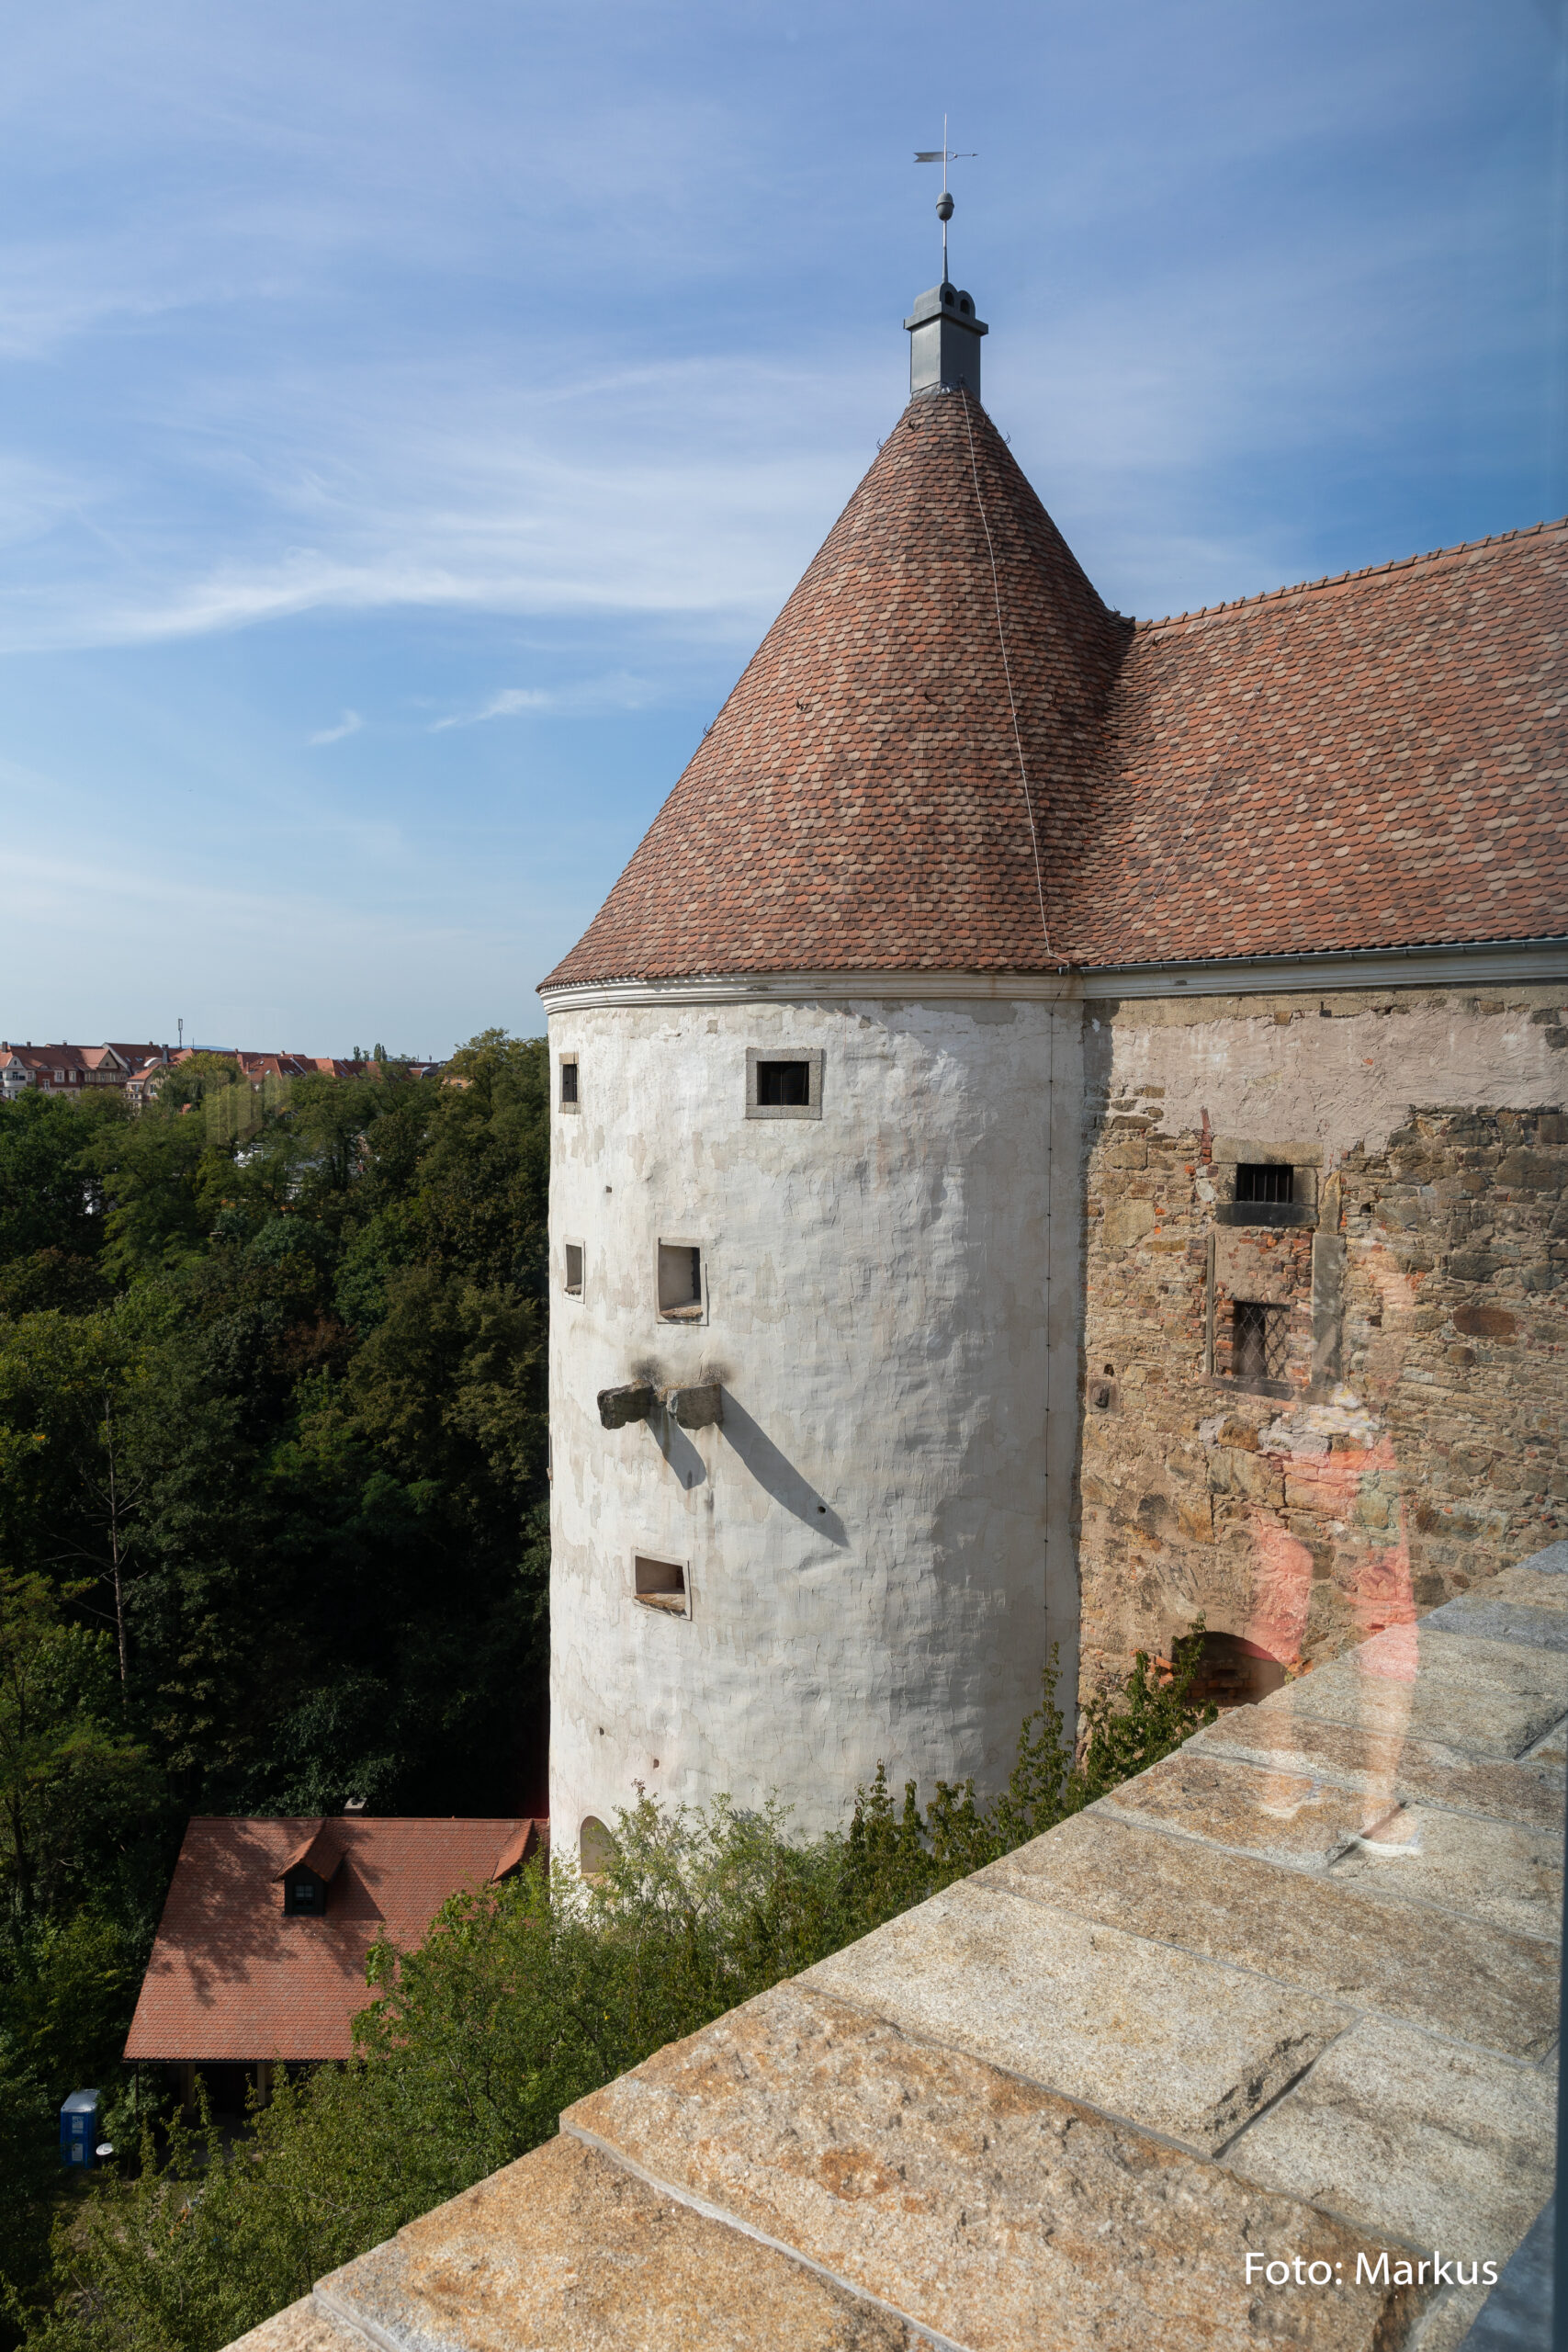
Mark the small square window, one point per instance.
(781, 1084)
(660, 1584)
(1258, 1337)
(1258, 1180)
(304, 1894)
(680, 1281)
(574, 1283)
(569, 1094)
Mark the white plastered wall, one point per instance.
(893, 1313)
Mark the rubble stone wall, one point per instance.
(1416, 1438)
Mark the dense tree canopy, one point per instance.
(272, 1524)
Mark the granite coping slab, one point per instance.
(1536, 1587)
(1386, 1763)
(998, 2215)
(1338, 1942)
(1552, 1560)
(303, 2327)
(1471, 1716)
(1481, 1869)
(1284, 1816)
(1494, 1619)
(1214, 2020)
(566, 2251)
(1472, 1650)
(1407, 2137)
(1178, 2044)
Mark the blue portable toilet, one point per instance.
(79, 2129)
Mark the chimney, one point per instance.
(944, 341)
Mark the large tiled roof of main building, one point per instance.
(1376, 761)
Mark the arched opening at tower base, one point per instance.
(596, 1849)
(1233, 1672)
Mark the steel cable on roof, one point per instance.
(1006, 673)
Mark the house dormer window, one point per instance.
(308, 1873)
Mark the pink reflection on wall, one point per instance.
(1281, 1590)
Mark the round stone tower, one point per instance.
(814, 1199)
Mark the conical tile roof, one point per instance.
(858, 804)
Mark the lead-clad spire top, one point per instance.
(944, 341)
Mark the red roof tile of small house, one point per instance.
(233, 1977)
(320, 1853)
(1375, 761)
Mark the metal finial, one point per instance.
(944, 155)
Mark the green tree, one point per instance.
(75, 1426)
(73, 1785)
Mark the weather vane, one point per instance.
(944, 156)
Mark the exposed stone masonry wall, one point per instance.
(1419, 1438)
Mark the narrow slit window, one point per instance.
(679, 1280)
(1258, 1180)
(1258, 1335)
(574, 1270)
(784, 1084)
(569, 1096)
(660, 1584)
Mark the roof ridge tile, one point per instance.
(1363, 571)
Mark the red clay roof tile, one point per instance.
(1376, 759)
(231, 1977)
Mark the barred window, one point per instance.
(1258, 1340)
(1257, 1180)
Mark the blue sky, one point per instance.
(413, 416)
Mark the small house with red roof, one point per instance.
(259, 1959)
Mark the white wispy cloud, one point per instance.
(585, 698)
(349, 724)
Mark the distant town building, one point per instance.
(139, 1071)
(68, 1069)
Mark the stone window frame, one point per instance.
(1326, 1298)
(811, 1055)
(654, 1604)
(1304, 1159)
(563, 1062)
(687, 1315)
(568, 1243)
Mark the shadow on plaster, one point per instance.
(776, 1474)
(677, 1448)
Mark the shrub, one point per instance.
(527, 1996)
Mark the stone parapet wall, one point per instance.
(1235, 2057)
(1414, 1438)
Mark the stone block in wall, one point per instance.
(1126, 1224)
